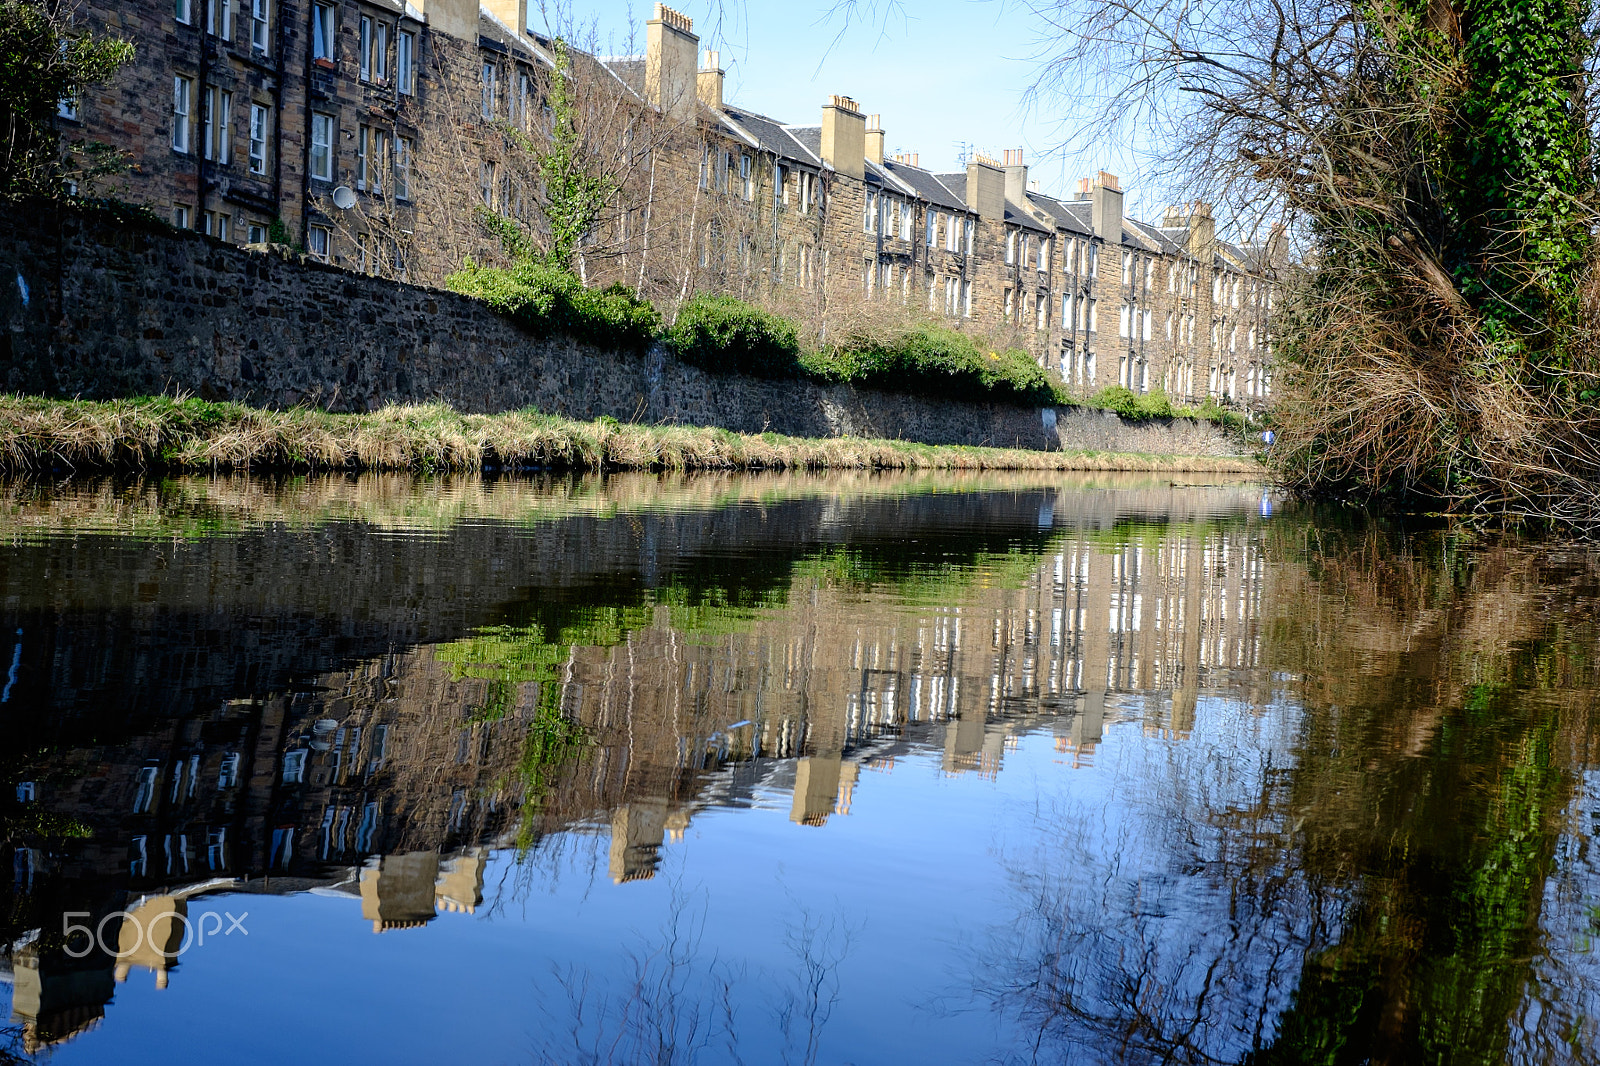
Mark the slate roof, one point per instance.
(925, 185)
(771, 135)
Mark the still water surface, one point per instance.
(844, 769)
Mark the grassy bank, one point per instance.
(40, 435)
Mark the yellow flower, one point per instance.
(995, 357)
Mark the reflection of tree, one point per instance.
(1373, 889)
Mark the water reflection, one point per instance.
(1314, 790)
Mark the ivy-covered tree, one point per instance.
(45, 65)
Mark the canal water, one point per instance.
(834, 769)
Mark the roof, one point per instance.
(925, 185)
(771, 135)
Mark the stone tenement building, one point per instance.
(372, 132)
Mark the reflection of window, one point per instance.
(146, 790)
(282, 847)
(217, 848)
(294, 767)
(380, 748)
(177, 849)
(27, 791)
(24, 861)
(228, 773)
(138, 861)
(369, 825)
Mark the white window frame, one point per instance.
(259, 116)
(183, 11)
(182, 105)
(217, 119)
(260, 26)
(323, 123)
(402, 168)
(220, 27)
(406, 61)
(364, 50)
(318, 241)
(324, 33)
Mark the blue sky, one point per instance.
(942, 73)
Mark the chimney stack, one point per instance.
(1106, 195)
(844, 137)
(513, 13)
(875, 138)
(709, 81)
(1080, 191)
(986, 188)
(671, 49)
(458, 18)
(1016, 178)
(1202, 232)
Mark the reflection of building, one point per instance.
(54, 1000)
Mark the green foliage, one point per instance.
(935, 361)
(1130, 404)
(43, 61)
(725, 335)
(278, 233)
(547, 300)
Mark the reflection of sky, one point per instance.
(918, 871)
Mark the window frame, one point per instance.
(405, 62)
(182, 93)
(324, 34)
(322, 120)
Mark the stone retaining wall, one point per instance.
(98, 308)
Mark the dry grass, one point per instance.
(40, 436)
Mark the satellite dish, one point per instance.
(343, 198)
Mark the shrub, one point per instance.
(725, 335)
(936, 361)
(1129, 404)
(545, 300)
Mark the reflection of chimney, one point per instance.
(460, 885)
(513, 13)
(816, 789)
(397, 891)
(1107, 210)
(670, 51)
(986, 189)
(875, 138)
(1016, 178)
(637, 832)
(152, 936)
(709, 81)
(844, 137)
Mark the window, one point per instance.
(724, 170)
(67, 108)
(486, 182)
(1149, 273)
(968, 227)
(182, 90)
(1067, 319)
(322, 147)
(1042, 314)
(145, 792)
(219, 18)
(180, 216)
(933, 229)
(1094, 260)
(372, 146)
(491, 79)
(1122, 321)
(228, 771)
(294, 767)
(258, 26)
(1127, 268)
(869, 212)
(322, 32)
(905, 222)
(952, 233)
(216, 116)
(365, 51)
(1094, 323)
(1011, 246)
(1011, 303)
(405, 61)
(746, 177)
(182, 11)
(217, 225)
(1044, 254)
(966, 299)
(705, 166)
(317, 241)
(378, 61)
(256, 233)
(402, 168)
(1145, 333)
(258, 139)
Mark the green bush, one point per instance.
(725, 335)
(935, 361)
(1129, 404)
(546, 300)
